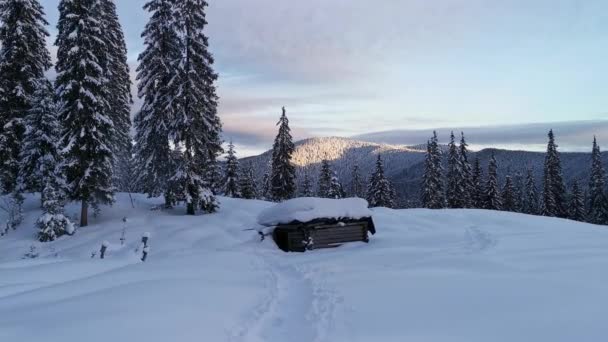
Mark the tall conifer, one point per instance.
(598, 200)
(231, 174)
(554, 189)
(158, 65)
(84, 108)
(283, 173)
(380, 192)
(24, 59)
(493, 198)
(194, 126)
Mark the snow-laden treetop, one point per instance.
(309, 208)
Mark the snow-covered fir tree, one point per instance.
(509, 201)
(53, 224)
(39, 153)
(247, 186)
(24, 59)
(466, 174)
(356, 184)
(478, 194)
(283, 173)
(214, 176)
(433, 196)
(518, 184)
(336, 190)
(493, 198)
(598, 199)
(231, 174)
(329, 185)
(194, 126)
(530, 204)
(83, 96)
(380, 192)
(456, 191)
(576, 207)
(126, 177)
(453, 192)
(324, 182)
(554, 189)
(120, 99)
(307, 190)
(156, 88)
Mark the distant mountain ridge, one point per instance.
(404, 165)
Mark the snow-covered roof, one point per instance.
(309, 208)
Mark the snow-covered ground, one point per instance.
(452, 275)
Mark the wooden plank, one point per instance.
(347, 226)
(324, 242)
(342, 233)
(338, 236)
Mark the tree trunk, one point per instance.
(84, 214)
(190, 208)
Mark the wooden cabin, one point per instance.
(322, 233)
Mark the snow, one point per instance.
(444, 275)
(306, 209)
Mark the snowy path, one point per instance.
(477, 240)
(285, 314)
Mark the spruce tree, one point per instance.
(326, 185)
(214, 176)
(493, 198)
(40, 154)
(509, 201)
(24, 59)
(247, 187)
(466, 174)
(306, 187)
(120, 100)
(194, 126)
(531, 205)
(231, 174)
(356, 184)
(380, 191)
(519, 186)
(433, 196)
(598, 200)
(53, 223)
(478, 190)
(126, 179)
(156, 87)
(336, 190)
(283, 174)
(554, 189)
(577, 203)
(83, 96)
(453, 190)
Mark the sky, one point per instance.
(350, 67)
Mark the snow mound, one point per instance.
(310, 208)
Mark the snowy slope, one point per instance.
(451, 275)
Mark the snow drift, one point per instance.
(441, 276)
(309, 208)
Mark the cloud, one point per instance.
(571, 136)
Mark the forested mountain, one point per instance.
(404, 165)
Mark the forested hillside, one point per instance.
(404, 164)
